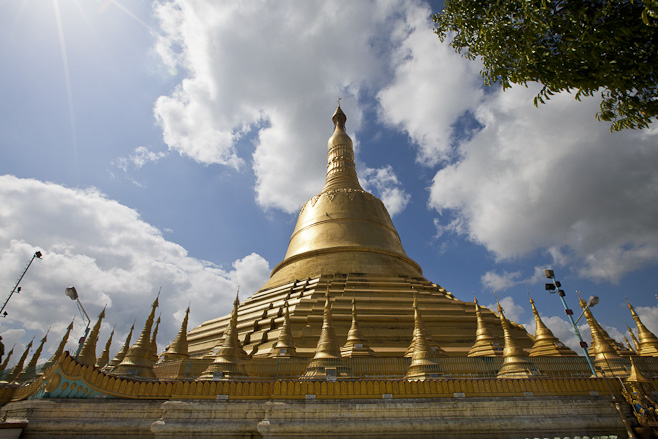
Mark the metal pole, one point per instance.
(36, 255)
(84, 337)
(569, 313)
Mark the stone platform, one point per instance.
(455, 418)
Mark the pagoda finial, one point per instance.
(486, 344)
(424, 364)
(118, 358)
(178, 349)
(7, 357)
(339, 118)
(87, 355)
(18, 367)
(284, 346)
(516, 363)
(648, 341)
(636, 343)
(105, 355)
(138, 360)
(546, 344)
(30, 370)
(327, 353)
(60, 348)
(605, 355)
(227, 361)
(154, 344)
(355, 346)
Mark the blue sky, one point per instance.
(171, 145)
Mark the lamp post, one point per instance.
(17, 289)
(73, 295)
(593, 300)
(554, 287)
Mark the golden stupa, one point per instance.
(345, 240)
(346, 318)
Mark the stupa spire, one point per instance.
(178, 348)
(356, 345)
(60, 348)
(436, 349)
(18, 367)
(88, 353)
(546, 344)
(423, 359)
(341, 170)
(105, 355)
(30, 370)
(648, 341)
(485, 344)
(7, 357)
(605, 355)
(285, 345)
(516, 363)
(118, 358)
(153, 343)
(226, 364)
(137, 361)
(327, 361)
(636, 343)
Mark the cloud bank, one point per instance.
(112, 257)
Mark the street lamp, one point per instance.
(73, 295)
(593, 300)
(555, 287)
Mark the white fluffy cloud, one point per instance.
(278, 85)
(385, 184)
(432, 87)
(512, 311)
(112, 257)
(554, 178)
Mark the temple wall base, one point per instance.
(455, 418)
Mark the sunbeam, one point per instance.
(69, 93)
(131, 15)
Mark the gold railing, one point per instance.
(395, 368)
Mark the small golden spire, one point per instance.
(341, 170)
(6, 362)
(138, 361)
(105, 355)
(628, 345)
(178, 348)
(284, 347)
(18, 367)
(648, 341)
(327, 362)
(118, 358)
(153, 344)
(546, 344)
(605, 355)
(486, 345)
(88, 353)
(227, 362)
(356, 345)
(516, 362)
(636, 343)
(424, 364)
(30, 370)
(635, 375)
(60, 348)
(438, 351)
